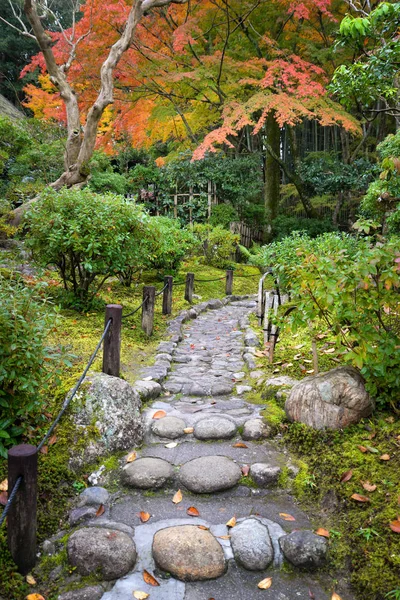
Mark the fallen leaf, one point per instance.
(265, 584)
(276, 371)
(347, 475)
(287, 517)
(100, 510)
(224, 537)
(52, 440)
(171, 445)
(360, 498)
(385, 457)
(362, 449)
(188, 430)
(193, 512)
(44, 449)
(329, 351)
(131, 457)
(34, 597)
(239, 445)
(3, 498)
(323, 532)
(395, 526)
(149, 579)
(369, 487)
(31, 580)
(177, 497)
(335, 596)
(140, 595)
(144, 516)
(159, 414)
(299, 346)
(309, 362)
(231, 522)
(4, 485)
(245, 470)
(310, 371)
(372, 450)
(203, 527)
(311, 594)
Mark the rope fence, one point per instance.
(21, 507)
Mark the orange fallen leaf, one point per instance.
(231, 522)
(3, 498)
(31, 580)
(177, 497)
(224, 537)
(240, 445)
(100, 510)
(193, 512)
(140, 595)
(188, 430)
(144, 516)
(265, 584)
(360, 498)
(52, 440)
(44, 450)
(369, 487)
(203, 527)
(159, 414)
(323, 532)
(287, 517)
(149, 579)
(131, 457)
(395, 526)
(34, 597)
(385, 457)
(4, 485)
(245, 470)
(335, 596)
(362, 448)
(346, 476)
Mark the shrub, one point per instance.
(87, 237)
(27, 365)
(224, 215)
(169, 244)
(283, 226)
(108, 182)
(218, 245)
(352, 286)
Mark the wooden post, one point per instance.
(149, 298)
(112, 341)
(229, 283)
(167, 296)
(21, 524)
(176, 202)
(189, 287)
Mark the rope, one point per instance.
(67, 401)
(161, 291)
(254, 275)
(10, 500)
(209, 280)
(144, 302)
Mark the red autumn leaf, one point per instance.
(193, 512)
(3, 498)
(395, 526)
(323, 532)
(346, 476)
(159, 414)
(100, 510)
(360, 498)
(362, 448)
(287, 517)
(144, 516)
(240, 445)
(149, 579)
(52, 440)
(44, 450)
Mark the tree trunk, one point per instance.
(272, 171)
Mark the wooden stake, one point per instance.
(167, 296)
(189, 289)
(112, 341)
(149, 298)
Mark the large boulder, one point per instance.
(107, 552)
(107, 416)
(333, 400)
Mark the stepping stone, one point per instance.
(255, 429)
(93, 592)
(93, 496)
(169, 427)
(147, 473)
(214, 428)
(304, 549)
(209, 474)
(251, 545)
(189, 553)
(264, 474)
(107, 552)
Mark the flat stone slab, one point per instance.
(189, 553)
(169, 427)
(107, 552)
(93, 496)
(147, 473)
(209, 474)
(264, 474)
(255, 429)
(214, 428)
(251, 544)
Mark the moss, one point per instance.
(248, 482)
(284, 478)
(273, 414)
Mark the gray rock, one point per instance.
(169, 427)
(93, 496)
(78, 515)
(147, 390)
(251, 339)
(242, 389)
(251, 545)
(256, 374)
(264, 475)
(255, 429)
(214, 428)
(281, 381)
(189, 553)
(214, 304)
(147, 473)
(108, 552)
(240, 375)
(304, 549)
(166, 347)
(48, 547)
(164, 356)
(331, 400)
(249, 360)
(113, 406)
(93, 592)
(209, 474)
(222, 388)
(105, 523)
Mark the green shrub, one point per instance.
(283, 226)
(108, 181)
(224, 215)
(169, 244)
(27, 364)
(87, 237)
(218, 245)
(352, 286)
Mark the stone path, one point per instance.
(198, 447)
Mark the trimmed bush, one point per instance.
(218, 245)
